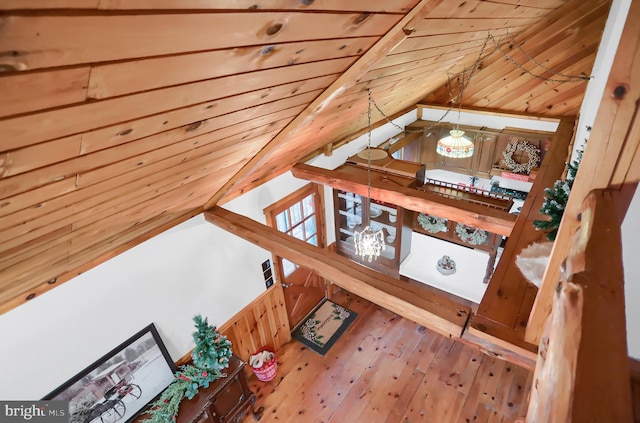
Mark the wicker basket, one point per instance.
(268, 370)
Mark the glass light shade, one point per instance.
(455, 145)
(369, 243)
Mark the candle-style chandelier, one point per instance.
(369, 243)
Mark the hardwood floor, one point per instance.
(385, 368)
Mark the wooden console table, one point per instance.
(225, 400)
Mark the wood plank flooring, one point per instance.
(385, 368)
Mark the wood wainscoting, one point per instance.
(263, 322)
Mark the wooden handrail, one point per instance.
(582, 371)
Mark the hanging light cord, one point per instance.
(369, 144)
(465, 78)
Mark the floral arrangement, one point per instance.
(532, 151)
(210, 355)
(471, 235)
(432, 224)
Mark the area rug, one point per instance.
(324, 326)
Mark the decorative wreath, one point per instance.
(432, 224)
(530, 149)
(471, 235)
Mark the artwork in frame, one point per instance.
(120, 385)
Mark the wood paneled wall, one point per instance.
(262, 323)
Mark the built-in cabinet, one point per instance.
(353, 212)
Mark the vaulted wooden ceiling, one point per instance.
(122, 118)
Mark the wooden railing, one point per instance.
(468, 193)
(582, 371)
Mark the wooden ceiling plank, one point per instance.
(128, 163)
(58, 240)
(32, 129)
(557, 57)
(347, 79)
(536, 95)
(438, 314)
(34, 228)
(545, 4)
(26, 271)
(22, 93)
(434, 54)
(22, 160)
(35, 198)
(41, 244)
(455, 26)
(48, 4)
(487, 9)
(413, 43)
(123, 196)
(294, 94)
(534, 40)
(133, 76)
(50, 41)
(378, 6)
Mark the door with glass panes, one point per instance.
(301, 215)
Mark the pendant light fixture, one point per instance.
(369, 243)
(456, 145)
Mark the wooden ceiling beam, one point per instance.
(423, 307)
(385, 188)
(387, 43)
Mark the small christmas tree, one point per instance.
(556, 199)
(212, 351)
(210, 355)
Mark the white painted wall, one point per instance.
(630, 248)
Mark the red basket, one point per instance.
(268, 370)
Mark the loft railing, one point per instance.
(468, 193)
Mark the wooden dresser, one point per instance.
(225, 400)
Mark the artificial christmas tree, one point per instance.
(210, 355)
(556, 199)
(212, 350)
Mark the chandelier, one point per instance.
(456, 145)
(369, 243)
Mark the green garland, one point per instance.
(471, 235)
(432, 224)
(210, 355)
(188, 380)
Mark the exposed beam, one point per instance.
(506, 295)
(426, 308)
(350, 77)
(384, 188)
(607, 160)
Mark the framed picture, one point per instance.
(119, 386)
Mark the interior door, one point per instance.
(300, 215)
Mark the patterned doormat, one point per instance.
(324, 326)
